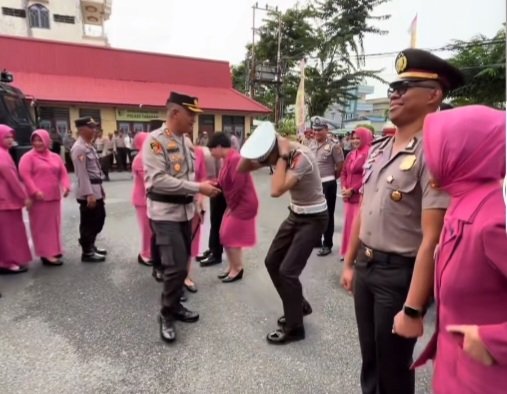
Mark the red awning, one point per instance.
(73, 89)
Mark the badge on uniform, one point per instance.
(327, 147)
(408, 162)
(177, 167)
(156, 147)
(168, 133)
(81, 157)
(172, 147)
(396, 196)
(390, 179)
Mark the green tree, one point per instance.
(367, 126)
(482, 60)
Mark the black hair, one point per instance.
(219, 139)
(156, 124)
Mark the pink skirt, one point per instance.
(351, 210)
(146, 232)
(14, 248)
(46, 228)
(196, 234)
(238, 233)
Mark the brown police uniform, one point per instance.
(396, 190)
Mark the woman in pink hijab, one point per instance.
(46, 179)
(139, 201)
(465, 153)
(14, 250)
(351, 180)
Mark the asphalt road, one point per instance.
(85, 328)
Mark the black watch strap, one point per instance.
(285, 157)
(411, 312)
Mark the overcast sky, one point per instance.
(220, 29)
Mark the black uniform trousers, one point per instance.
(287, 257)
(91, 223)
(217, 206)
(330, 189)
(174, 241)
(381, 284)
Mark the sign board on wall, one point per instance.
(138, 115)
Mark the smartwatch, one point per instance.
(412, 313)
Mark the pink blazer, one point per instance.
(239, 190)
(12, 193)
(44, 171)
(471, 289)
(139, 191)
(352, 173)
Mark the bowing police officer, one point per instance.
(296, 172)
(169, 165)
(397, 229)
(330, 160)
(89, 192)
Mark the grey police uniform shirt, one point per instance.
(87, 166)
(169, 166)
(303, 166)
(328, 155)
(395, 192)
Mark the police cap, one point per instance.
(414, 64)
(319, 124)
(189, 102)
(261, 142)
(86, 121)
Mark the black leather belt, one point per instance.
(180, 200)
(383, 257)
(96, 181)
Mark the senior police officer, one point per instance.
(395, 234)
(296, 172)
(330, 159)
(169, 165)
(89, 192)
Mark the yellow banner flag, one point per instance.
(300, 102)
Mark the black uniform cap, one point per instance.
(190, 103)
(418, 65)
(86, 121)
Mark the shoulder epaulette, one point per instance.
(379, 140)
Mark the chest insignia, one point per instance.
(396, 196)
(168, 133)
(390, 179)
(408, 162)
(327, 147)
(155, 147)
(177, 167)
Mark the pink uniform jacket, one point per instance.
(12, 192)
(44, 171)
(465, 152)
(139, 191)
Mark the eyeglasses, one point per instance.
(402, 87)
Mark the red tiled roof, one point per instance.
(64, 72)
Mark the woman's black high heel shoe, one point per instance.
(230, 279)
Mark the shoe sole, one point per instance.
(187, 320)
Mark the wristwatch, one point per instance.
(285, 157)
(412, 313)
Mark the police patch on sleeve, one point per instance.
(156, 147)
(81, 157)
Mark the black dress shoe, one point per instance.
(281, 337)
(100, 251)
(157, 275)
(203, 256)
(92, 258)
(191, 288)
(186, 316)
(223, 275)
(324, 251)
(211, 260)
(307, 310)
(183, 298)
(167, 331)
(230, 279)
(49, 263)
(142, 261)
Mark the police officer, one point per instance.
(395, 234)
(89, 192)
(330, 159)
(169, 165)
(296, 172)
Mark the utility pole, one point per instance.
(278, 105)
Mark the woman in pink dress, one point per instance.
(351, 180)
(465, 153)
(14, 249)
(238, 228)
(139, 201)
(46, 179)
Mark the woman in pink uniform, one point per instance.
(351, 180)
(465, 153)
(238, 229)
(46, 179)
(139, 201)
(14, 250)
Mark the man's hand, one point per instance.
(39, 195)
(408, 327)
(91, 202)
(472, 343)
(347, 278)
(283, 146)
(201, 209)
(209, 189)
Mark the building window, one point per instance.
(39, 16)
(207, 124)
(64, 19)
(55, 119)
(234, 125)
(14, 12)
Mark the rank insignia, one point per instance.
(411, 143)
(408, 162)
(168, 133)
(390, 179)
(327, 147)
(177, 167)
(396, 196)
(156, 147)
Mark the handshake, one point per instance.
(209, 188)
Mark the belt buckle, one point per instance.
(369, 253)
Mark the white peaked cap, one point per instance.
(260, 143)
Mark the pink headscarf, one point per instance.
(5, 131)
(366, 137)
(139, 141)
(46, 141)
(465, 147)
